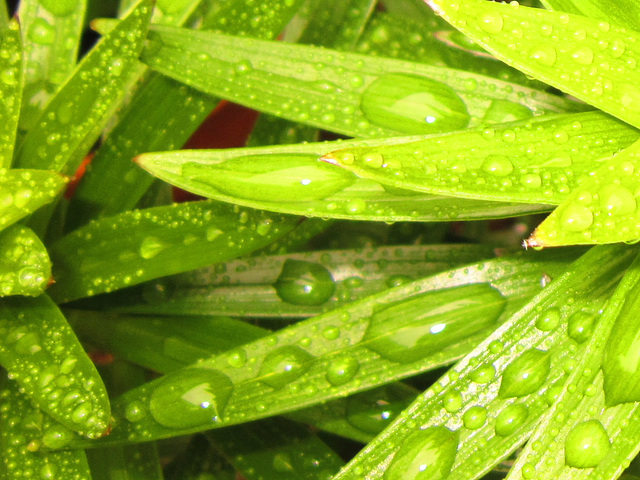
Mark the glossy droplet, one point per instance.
(474, 417)
(526, 374)
(42, 32)
(452, 401)
(501, 111)
(617, 200)
(531, 180)
(304, 283)
(583, 56)
(57, 437)
(425, 455)
(190, 397)
(151, 246)
(408, 330)
(545, 55)
(491, 22)
(580, 326)
(497, 165)
(483, 374)
(342, 370)
(284, 365)
(510, 419)
(413, 104)
(134, 412)
(576, 218)
(586, 445)
(372, 411)
(548, 320)
(60, 8)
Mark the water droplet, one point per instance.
(617, 200)
(41, 32)
(342, 370)
(483, 374)
(576, 218)
(548, 320)
(510, 419)
(474, 417)
(237, 358)
(491, 22)
(425, 455)
(372, 411)
(531, 180)
(526, 374)
(190, 397)
(497, 165)
(560, 136)
(583, 56)
(284, 365)
(408, 330)
(212, 233)
(501, 111)
(60, 8)
(545, 55)
(134, 412)
(586, 445)
(413, 104)
(452, 401)
(304, 283)
(373, 160)
(57, 437)
(282, 463)
(580, 326)
(151, 246)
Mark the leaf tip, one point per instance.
(330, 158)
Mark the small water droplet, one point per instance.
(580, 326)
(548, 320)
(151, 246)
(586, 445)
(576, 218)
(474, 417)
(510, 419)
(582, 56)
(526, 374)
(284, 365)
(304, 283)
(501, 111)
(342, 370)
(483, 374)
(135, 411)
(617, 200)
(452, 401)
(545, 55)
(372, 411)
(491, 22)
(497, 165)
(531, 180)
(41, 32)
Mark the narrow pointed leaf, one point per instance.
(360, 200)
(35, 337)
(625, 13)
(493, 397)
(603, 209)
(24, 191)
(25, 268)
(77, 113)
(563, 50)
(11, 82)
(52, 33)
(22, 460)
(361, 346)
(156, 242)
(345, 93)
(541, 161)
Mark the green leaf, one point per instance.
(24, 191)
(25, 268)
(284, 372)
(41, 352)
(261, 286)
(21, 459)
(623, 12)
(587, 58)
(361, 200)
(74, 117)
(11, 81)
(540, 161)
(466, 400)
(156, 242)
(51, 34)
(601, 210)
(345, 93)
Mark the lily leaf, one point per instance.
(25, 268)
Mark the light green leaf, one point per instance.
(51, 34)
(20, 459)
(11, 82)
(156, 242)
(342, 92)
(471, 399)
(74, 117)
(540, 161)
(361, 200)
(35, 337)
(25, 268)
(602, 209)
(622, 12)
(254, 381)
(24, 191)
(590, 59)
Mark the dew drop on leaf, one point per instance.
(425, 455)
(548, 320)
(483, 374)
(342, 370)
(526, 374)
(580, 326)
(190, 397)
(491, 22)
(510, 419)
(452, 401)
(586, 445)
(617, 200)
(497, 165)
(151, 246)
(576, 218)
(304, 283)
(371, 412)
(474, 417)
(284, 365)
(60, 8)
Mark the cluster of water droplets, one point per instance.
(25, 267)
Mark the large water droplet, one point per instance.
(413, 104)
(42, 32)
(526, 374)
(408, 330)
(545, 55)
(60, 8)
(151, 246)
(586, 445)
(548, 320)
(190, 397)
(474, 417)
(425, 455)
(501, 111)
(304, 283)
(582, 55)
(372, 411)
(511, 419)
(284, 365)
(580, 326)
(617, 200)
(497, 165)
(452, 401)
(342, 370)
(576, 218)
